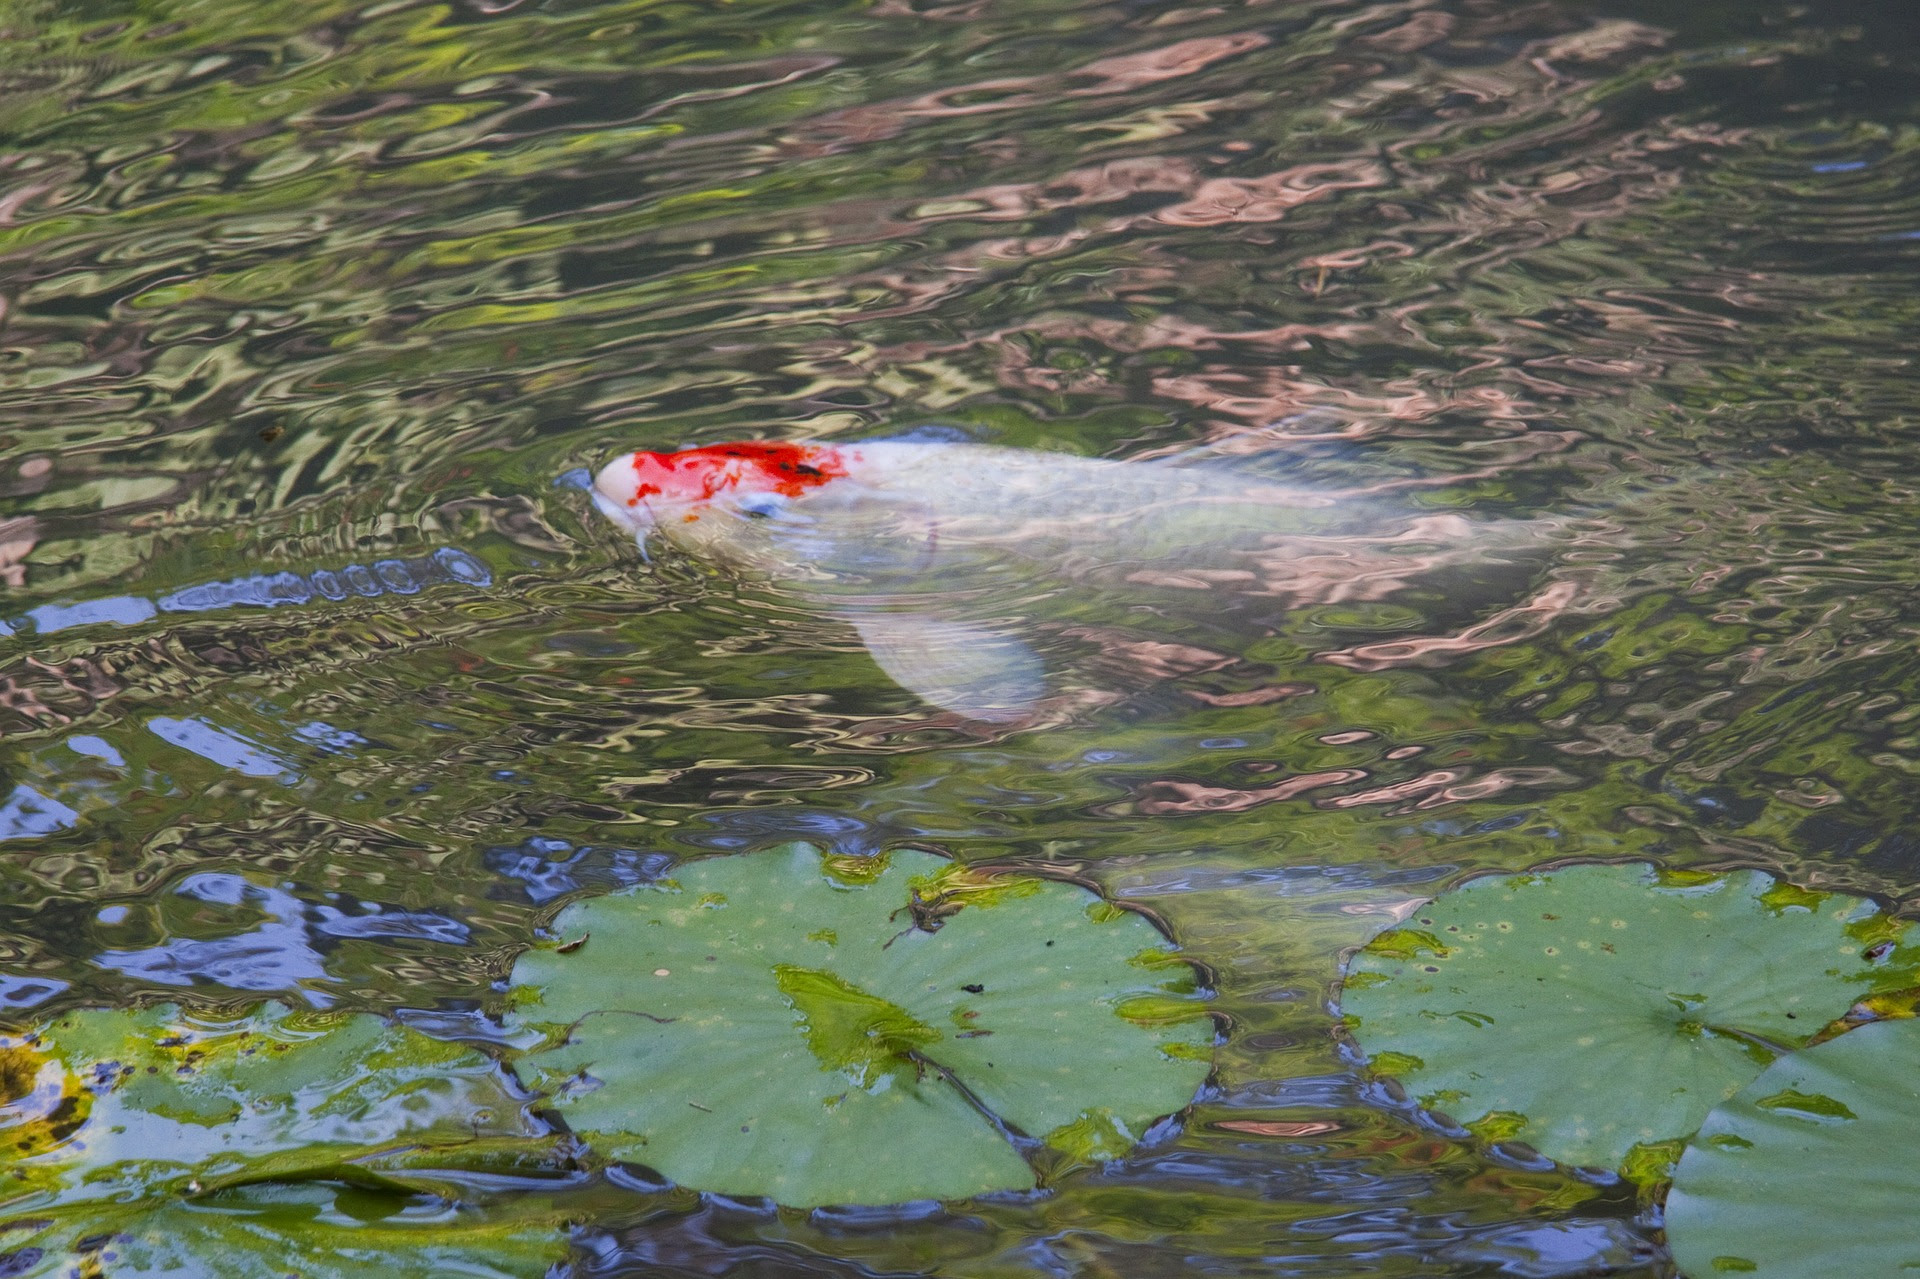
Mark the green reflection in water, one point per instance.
(293, 288)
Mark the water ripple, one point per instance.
(319, 678)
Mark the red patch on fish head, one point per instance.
(698, 475)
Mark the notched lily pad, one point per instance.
(1596, 1012)
(1811, 1170)
(773, 1025)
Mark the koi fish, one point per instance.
(942, 555)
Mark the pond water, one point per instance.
(322, 680)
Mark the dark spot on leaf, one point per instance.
(973, 988)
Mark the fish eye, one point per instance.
(760, 506)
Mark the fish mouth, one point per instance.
(637, 520)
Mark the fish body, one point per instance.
(943, 555)
(896, 507)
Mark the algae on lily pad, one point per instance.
(1811, 1170)
(819, 1031)
(121, 1105)
(315, 1230)
(1594, 1009)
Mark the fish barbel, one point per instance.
(936, 552)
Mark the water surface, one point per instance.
(321, 680)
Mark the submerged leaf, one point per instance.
(115, 1118)
(770, 1025)
(1811, 1169)
(314, 1230)
(125, 1104)
(1595, 1009)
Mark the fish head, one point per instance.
(727, 503)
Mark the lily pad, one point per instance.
(822, 1031)
(315, 1230)
(130, 1105)
(1595, 1009)
(1811, 1170)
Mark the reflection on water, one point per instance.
(262, 590)
(320, 676)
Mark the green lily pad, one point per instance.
(314, 1230)
(131, 1105)
(1811, 1170)
(812, 1031)
(1595, 1009)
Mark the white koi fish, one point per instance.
(941, 554)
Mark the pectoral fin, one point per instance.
(973, 670)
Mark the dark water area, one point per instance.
(321, 679)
